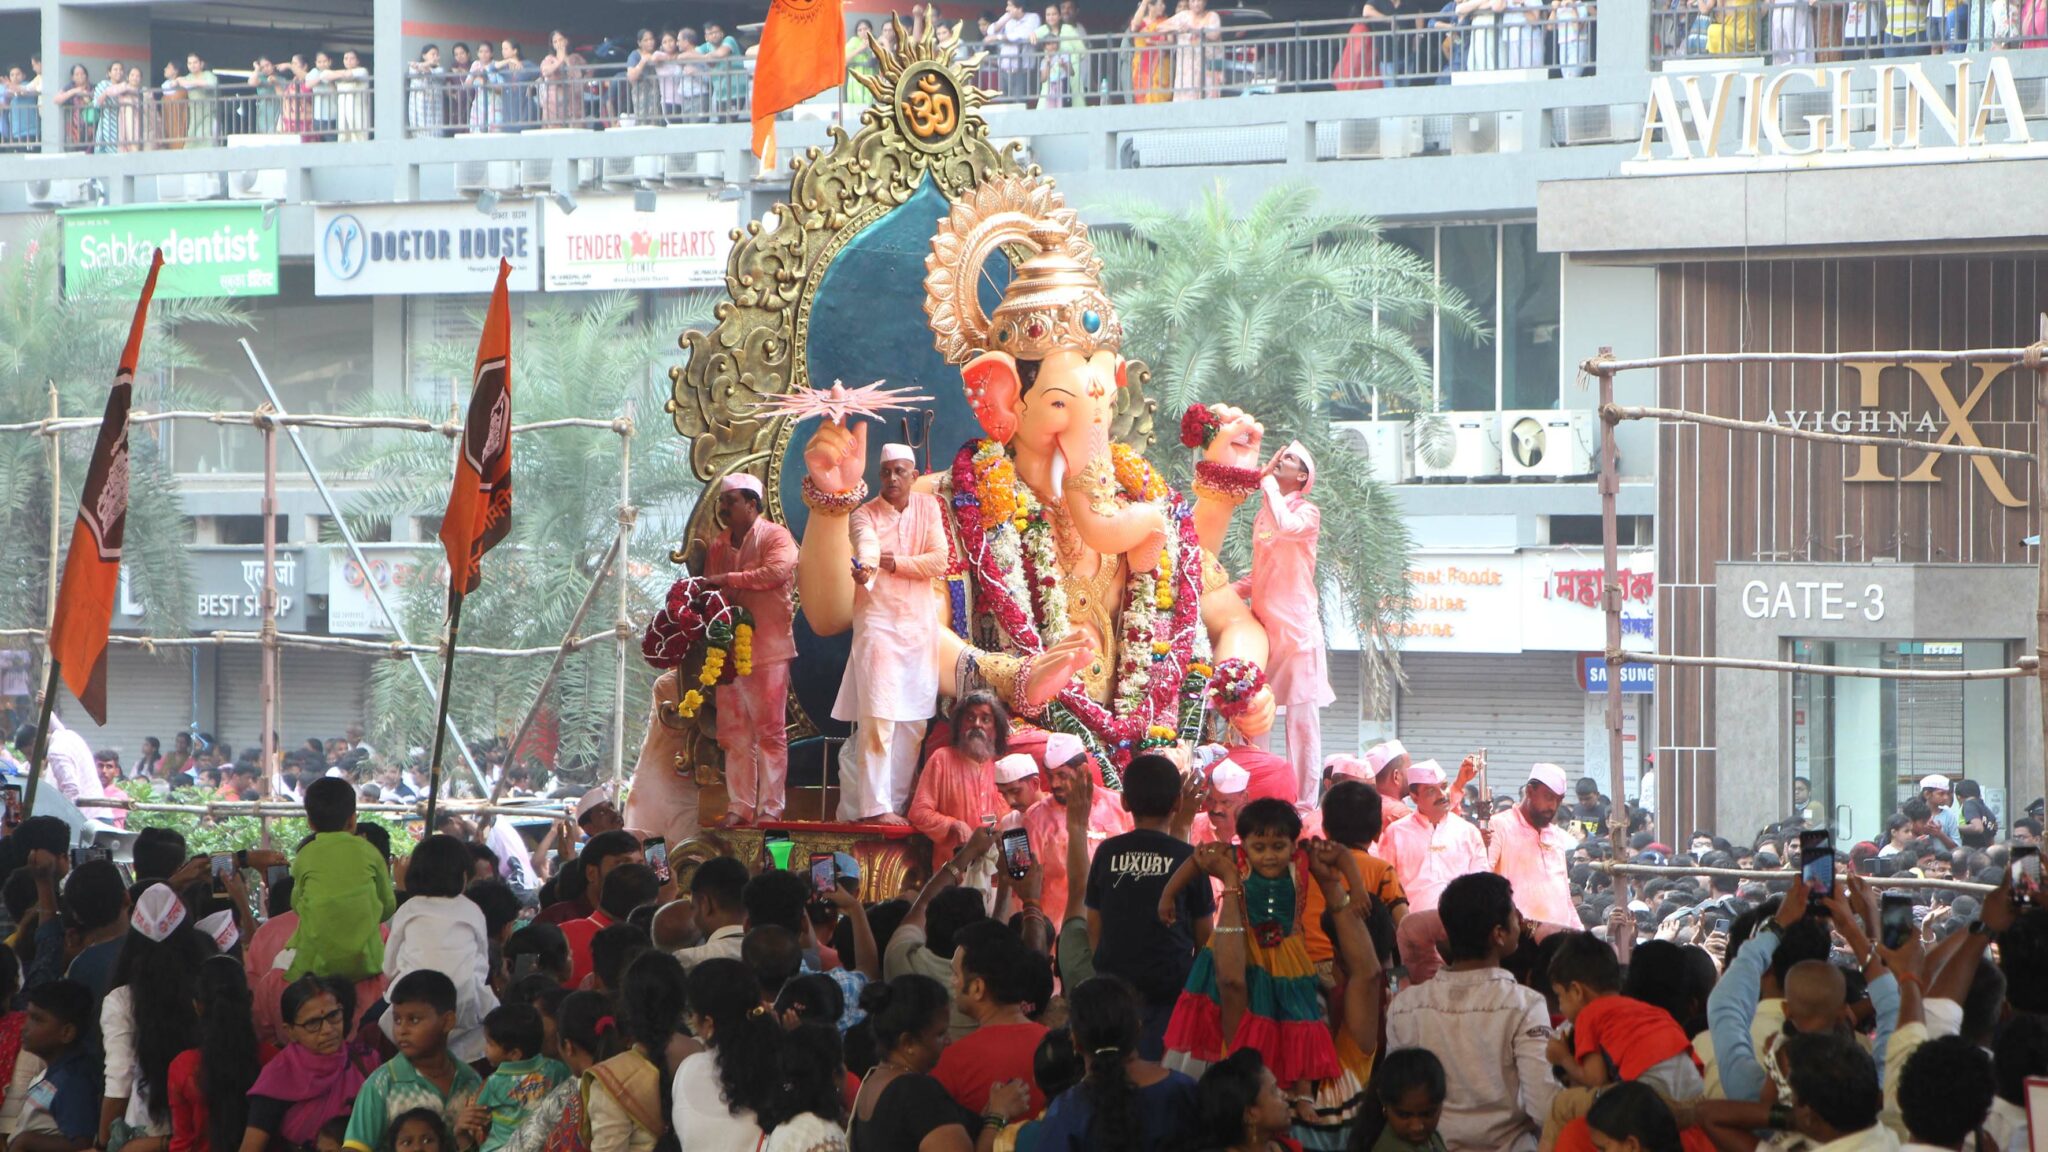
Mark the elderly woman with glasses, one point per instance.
(316, 1077)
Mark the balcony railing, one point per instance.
(520, 98)
(130, 118)
(1839, 31)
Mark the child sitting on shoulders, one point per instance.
(440, 929)
(1613, 1037)
(521, 1076)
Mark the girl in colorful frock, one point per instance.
(1283, 1015)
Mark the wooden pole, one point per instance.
(622, 623)
(1610, 593)
(2019, 803)
(42, 745)
(56, 526)
(268, 654)
(441, 706)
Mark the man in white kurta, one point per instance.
(890, 688)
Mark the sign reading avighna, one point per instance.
(1951, 421)
(1898, 114)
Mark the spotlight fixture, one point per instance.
(644, 200)
(564, 201)
(487, 201)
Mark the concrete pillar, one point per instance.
(388, 99)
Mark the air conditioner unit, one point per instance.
(256, 184)
(634, 170)
(1475, 455)
(473, 176)
(1547, 442)
(59, 193)
(1595, 124)
(189, 186)
(1474, 133)
(1399, 137)
(1358, 140)
(1386, 445)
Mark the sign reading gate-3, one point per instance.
(415, 249)
(209, 249)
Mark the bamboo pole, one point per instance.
(277, 808)
(56, 526)
(2027, 667)
(269, 653)
(547, 682)
(392, 650)
(622, 624)
(1614, 869)
(2040, 553)
(1889, 359)
(1610, 604)
(1609, 411)
(55, 424)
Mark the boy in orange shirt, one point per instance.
(1613, 1037)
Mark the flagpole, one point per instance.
(42, 747)
(441, 719)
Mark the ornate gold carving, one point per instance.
(1055, 300)
(932, 110)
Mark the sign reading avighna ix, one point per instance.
(1877, 112)
(1952, 420)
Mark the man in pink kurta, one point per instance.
(1531, 850)
(890, 686)
(1435, 845)
(755, 560)
(956, 792)
(1046, 820)
(1283, 596)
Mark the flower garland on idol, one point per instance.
(697, 611)
(1007, 543)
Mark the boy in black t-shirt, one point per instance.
(1124, 885)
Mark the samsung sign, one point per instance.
(417, 249)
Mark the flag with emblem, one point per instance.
(92, 567)
(480, 504)
(803, 52)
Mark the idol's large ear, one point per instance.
(993, 389)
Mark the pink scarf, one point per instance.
(318, 1088)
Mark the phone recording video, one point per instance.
(223, 867)
(2026, 874)
(10, 806)
(88, 854)
(824, 873)
(1817, 863)
(655, 849)
(1016, 850)
(1895, 916)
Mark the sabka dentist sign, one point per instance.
(1898, 114)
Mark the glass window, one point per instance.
(1863, 745)
(317, 354)
(1466, 369)
(1529, 320)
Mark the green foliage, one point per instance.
(1298, 317)
(75, 343)
(206, 836)
(591, 357)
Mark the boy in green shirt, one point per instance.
(341, 890)
(520, 1075)
(423, 1074)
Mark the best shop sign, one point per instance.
(606, 244)
(209, 249)
(415, 249)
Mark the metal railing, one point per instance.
(521, 97)
(1841, 31)
(132, 118)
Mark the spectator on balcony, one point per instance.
(132, 111)
(559, 99)
(1013, 33)
(24, 123)
(294, 118)
(1062, 62)
(1091, 76)
(268, 88)
(668, 75)
(485, 110)
(455, 88)
(1905, 27)
(1195, 72)
(423, 104)
(1397, 49)
(320, 89)
(202, 102)
(173, 119)
(694, 88)
(860, 61)
(352, 97)
(1791, 30)
(643, 83)
(514, 79)
(1573, 20)
(727, 73)
(1151, 71)
(72, 104)
(2033, 25)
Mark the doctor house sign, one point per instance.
(1941, 403)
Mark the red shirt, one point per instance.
(578, 934)
(188, 1102)
(563, 911)
(1632, 1035)
(995, 1052)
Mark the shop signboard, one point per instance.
(393, 569)
(228, 589)
(1530, 601)
(1561, 609)
(608, 244)
(1463, 602)
(423, 249)
(209, 249)
(1637, 677)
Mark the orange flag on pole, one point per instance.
(803, 52)
(480, 504)
(92, 567)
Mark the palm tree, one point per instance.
(72, 340)
(1299, 317)
(594, 358)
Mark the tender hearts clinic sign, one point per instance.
(607, 243)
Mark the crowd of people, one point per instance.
(1840, 31)
(1189, 961)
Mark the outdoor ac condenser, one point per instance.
(189, 186)
(1385, 444)
(1475, 455)
(59, 193)
(1546, 442)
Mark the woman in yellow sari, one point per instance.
(1151, 67)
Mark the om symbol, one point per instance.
(930, 110)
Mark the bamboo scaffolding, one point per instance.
(391, 649)
(1768, 428)
(50, 426)
(1612, 868)
(553, 810)
(2033, 356)
(2026, 669)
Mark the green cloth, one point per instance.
(341, 889)
(397, 1088)
(515, 1088)
(1388, 1142)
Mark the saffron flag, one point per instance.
(92, 567)
(480, 504)
(803, 52)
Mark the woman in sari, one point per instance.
(860, 61)
(1151, 70)
(1195, 30)
(173, 115)
(316, 1077)
(106, 103)
(71, 105)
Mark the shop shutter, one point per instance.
(319, 694)
(146, 696)
(1521, 709)
(1340, 721)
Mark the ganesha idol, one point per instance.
(1084, 591)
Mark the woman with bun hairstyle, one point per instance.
(900, 1106)
(716, 1090)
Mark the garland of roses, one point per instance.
(697, 611)
(1007, 544)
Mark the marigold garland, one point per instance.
(698, 612)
